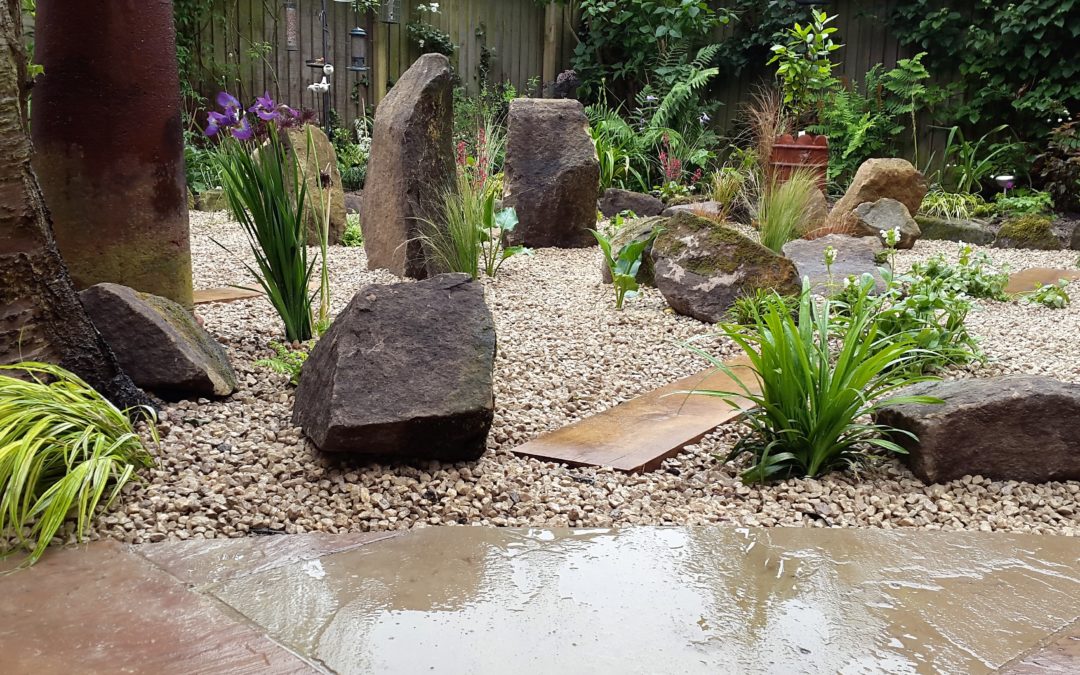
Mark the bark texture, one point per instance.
(41, 318)
(108, 143)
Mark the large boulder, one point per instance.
(855, 256)
(947, 229)
(616, 201)
(634, 230)
(702, 267)
(403, 373)
(870, 219)
(322, 178)
(878, 178)
(411, 166)
(158, 343)
(1015, 427)
(817, 215)
(551, 173)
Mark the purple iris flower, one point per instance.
(265, 108)
(216, 121)
(227, 101)
(243, 131)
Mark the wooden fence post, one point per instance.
(553, 18)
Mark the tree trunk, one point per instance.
(41, 318)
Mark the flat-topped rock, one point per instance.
(1014, 427)
(947, 229)
(854, 256)
(615, 201)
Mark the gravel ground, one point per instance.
(237, 467)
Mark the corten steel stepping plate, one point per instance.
(228, 294)
(232, 294)
(1028, 280)
(639, 434)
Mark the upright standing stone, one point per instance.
(552, 175)
(108, 146)
(411, 165)
(322, 177)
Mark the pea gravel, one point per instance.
(238, 467)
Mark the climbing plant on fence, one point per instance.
(1016, 61)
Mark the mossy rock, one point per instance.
(211, 200)
(702, 267)
(1034, 232)
(967, 231)
(159, 343)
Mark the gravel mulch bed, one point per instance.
(238, 467)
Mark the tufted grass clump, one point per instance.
(784, 208)
(65, 451)
(819, 382)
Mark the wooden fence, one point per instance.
(264, 45)
(522, 39)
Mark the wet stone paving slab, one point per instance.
(487, 600)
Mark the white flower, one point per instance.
(830, 255)
(848, 281)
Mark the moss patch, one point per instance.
(1030, 231)
(720, 250)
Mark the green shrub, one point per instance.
(1053, 296)
(818, 384)
(974, 274)
(267, 193)
(285, 361)
(472, 235)
(64, 451)
(951, 205)
(1058, 168)
(353, 235)
(1022, 202)
(727, 185)
(931, 315)
(748, 307)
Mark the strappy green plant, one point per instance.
(65, 452)
(818, 384)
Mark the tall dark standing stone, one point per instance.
(108, 146)
(552, 175)
(411, 165)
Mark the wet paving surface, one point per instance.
(638, 600)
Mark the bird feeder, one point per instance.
(292, 27)
(358, 50)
